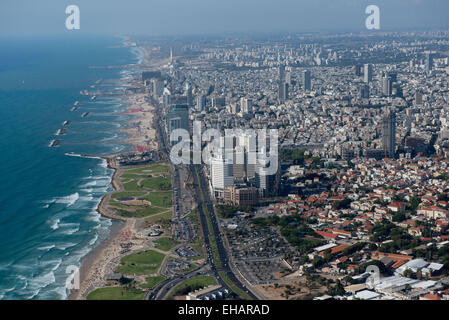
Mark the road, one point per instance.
(203, 198)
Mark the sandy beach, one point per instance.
(140, 130)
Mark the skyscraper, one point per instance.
(306, 80)
(222, 175)
(157, 88)
(218, 102)
(200, 103)
(281, 74)
(387, 86)
(246, 105)
(418, 98)
(234, 108)
(283, 92)
(166, 99)
(249, 144)
(266, 182)
(188, 94)
(177, 118)
(288, 76)
(358, 70)
(429, 62)
(393, 76)
(367, 73)
(389, 133)
(364, 91)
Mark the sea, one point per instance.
(48, 200)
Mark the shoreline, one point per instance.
(103, 259)
(118, 225)
(90, 259)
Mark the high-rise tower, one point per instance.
(367, 73)
(389, 133)
(306, 80)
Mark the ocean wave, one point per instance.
(95, 218)
(55, 224)
(5, 291)
(100, 180)
(61, 292)
(24, 282)
(35, 285)
(92, 242)
(56, 263)
(119, 148)
(87, 198)
(69, 200)
(96, 177)
(46, 248)
(104, 163)
(69, 224)
(70, 231)
(65, 246)
(113, 137)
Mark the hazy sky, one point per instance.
(162, 17)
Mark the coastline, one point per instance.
(89, 262)
(103, 259)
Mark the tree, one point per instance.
(337, 290)
(414, 202)
(344, 204)
(399, 216)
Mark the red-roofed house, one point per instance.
(397, 206)
(326, 234)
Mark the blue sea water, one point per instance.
(48, 200)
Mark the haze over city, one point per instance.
(180, 17)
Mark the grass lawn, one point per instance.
(127, 195)
(215, 255)
(132, 186)
(145, 262)
(148, 169)
(130, 176)
(140, 212)
(116, 293)
(116, 204)
(162, 219)
(160, 168)
(160, 198)
(192, 285)
(157, 183)
(165, 243)
(152, 282)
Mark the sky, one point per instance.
(196, 17)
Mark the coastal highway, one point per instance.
(203, 198)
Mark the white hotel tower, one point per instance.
(222, 175)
